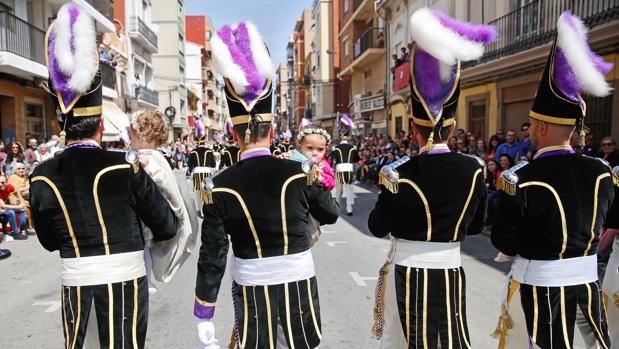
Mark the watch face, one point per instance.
(131, 156)
(170, 111)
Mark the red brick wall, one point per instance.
(119, 12)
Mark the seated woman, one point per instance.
(148, 132)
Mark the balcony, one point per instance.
(142, 94)
(22, 48)
(101, 10)
(369, 47)
(108, 75)
(139, 30)
(535, 24)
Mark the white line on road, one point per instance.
(361, 280)
(52, 305)
(333, 243)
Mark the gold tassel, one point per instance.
(428, 146)
(63, 139)
(506, 187)
(389, 185)
(616, 178)
(583, 136)
(247, 135)
(206, 196)
(232, 344)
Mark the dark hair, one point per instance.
(511, 161)
(527, 124)
(19, 155)
(440, 136)
(258, 132)
(82, 128)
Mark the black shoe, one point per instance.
(349, 214)
(4, 254)
(31, 232)
(19, 236)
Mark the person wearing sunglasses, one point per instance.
(609, 151)
(13, 212)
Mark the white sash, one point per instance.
(274, 270)
(555, 273)
(103, 269)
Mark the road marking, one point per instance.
(329, 231)
(52, 305)
(361, 280)
(333, 243)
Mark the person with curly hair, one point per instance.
(149, 131)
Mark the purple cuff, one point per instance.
(203, 311)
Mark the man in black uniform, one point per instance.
(87, 203)
(262, 205)
(428, 203)
(344, 156)
(230, 155)
(201, 164)
(552, 209)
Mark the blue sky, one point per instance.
(274, 18)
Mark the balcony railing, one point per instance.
(356, 4)
(369, 39)
(105, 7)
(536, 23)
(138, 26)
(146, 95)
(108, 75)
(21, 38)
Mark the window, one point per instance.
(35, 122)
(346, 50)
(477, 118)
(367, 74)
(345, 6)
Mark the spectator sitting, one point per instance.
(591, 148)
(19, 181)
(471, 144)
(493, 144)
(13, 211)
(30, 157)
(524, 147)
(492, 172)
(510, 147)
(505, 163)
(500, 136)
(609, 151)
(461, 146)
(15, 155)
(453, 144)
(480, 150)
(42, 153)
(493, 195)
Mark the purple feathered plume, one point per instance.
(426, 74)
(60, 80)
(474, 32)
(238, 43)
(346, 121)
(564, 76)
(305, 122)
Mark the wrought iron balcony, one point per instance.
(535, 24)
(140, 30)
(21, 38)
(145, 95)
(108, 75)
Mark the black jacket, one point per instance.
(441, 198)
(262, 205)
(558, 210)
(88, 202)
(201, 157)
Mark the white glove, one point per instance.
(206, 333)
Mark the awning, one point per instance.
(114, 121)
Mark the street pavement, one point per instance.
(347, 261)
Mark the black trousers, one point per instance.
(258, 309)
(550, 313)
(432, 307)
(121, 311)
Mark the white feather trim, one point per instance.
(224, 64)
(259, 52)
(573, 42)
(86, 53)
(441, 42)
(62, 43)
(446, 72)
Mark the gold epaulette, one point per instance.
(310, 170)
(206, 192)
(616, 176)
(389, 176)
(508, 180)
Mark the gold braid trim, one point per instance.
(232, 344)
(205, 195)
(379, 305)
(312, 175)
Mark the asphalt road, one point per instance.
(347, 261)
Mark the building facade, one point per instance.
(25, 106)
(169, 63)
(363, 65)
